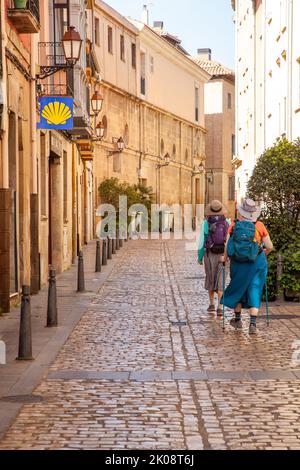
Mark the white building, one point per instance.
(267, 79)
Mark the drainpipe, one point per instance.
(33, 61)
(34, 215)
(74, 207)
(4, 177)
(290, 69)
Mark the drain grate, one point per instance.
(23, 398)
(179, 323)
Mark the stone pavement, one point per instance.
(148, 368)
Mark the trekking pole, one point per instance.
(267, 303)
(223, 312)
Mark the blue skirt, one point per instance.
(247, 281)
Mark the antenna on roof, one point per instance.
(145, 13)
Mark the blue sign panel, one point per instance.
(56, 112)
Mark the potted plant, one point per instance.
(20, 4)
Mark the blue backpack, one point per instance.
(242, 246)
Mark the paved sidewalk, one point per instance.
(19, 378)
(148, 368)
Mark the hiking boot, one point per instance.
(211, 308)
(252, 329)
(237, 324)
(219, 311)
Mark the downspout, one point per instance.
(290, 67)
(74, 207)
(4, 177)
(33, 61)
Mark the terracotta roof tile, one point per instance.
(212, 67)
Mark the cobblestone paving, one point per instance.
(130, 377)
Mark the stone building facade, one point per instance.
(154, 114)
(267, 79)
(46, 186)
(220, 131)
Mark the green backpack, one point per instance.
(242, 246)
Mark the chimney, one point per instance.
(204, 53)
(158, 25)
(145, 15)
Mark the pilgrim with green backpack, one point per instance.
(248, 244)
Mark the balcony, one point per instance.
(25, 20)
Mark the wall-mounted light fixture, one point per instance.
(71, 45)
(166, 159)
(97, 102)
(120, 147)
(198, 169)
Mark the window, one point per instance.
(162, 147)
(122, 48)
(174, 152)
(231, 188)
(65, 176)
(196, 104)
(229, 104)
(133, 55)
(152, 64)
(109, 39)
(97, 32)
(143, 73)
(233, 145)
(61, 20)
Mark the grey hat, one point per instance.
(249, 210)
(215, 208)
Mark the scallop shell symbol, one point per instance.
(56, 113)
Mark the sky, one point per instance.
(198, 23)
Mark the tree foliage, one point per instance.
(275, 183)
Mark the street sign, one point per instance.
(56, 112)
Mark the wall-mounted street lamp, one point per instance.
(120, 147)
(97, 102)
(99, 131)
(71, 44)
(199, 169)
(166, 159)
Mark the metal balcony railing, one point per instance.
(26, 20)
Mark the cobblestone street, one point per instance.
(148, 368)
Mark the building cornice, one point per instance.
(115, 16)
(118, 90)
(154, 40)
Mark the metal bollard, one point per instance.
(80, 278)
(104, 252)
(98, 257)
(52, 299)
(25, 341)
(117, 242)
(109, 248)
(113, 246)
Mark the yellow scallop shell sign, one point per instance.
(56, 113)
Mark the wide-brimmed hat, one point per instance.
(215, 208)
(249, 210)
